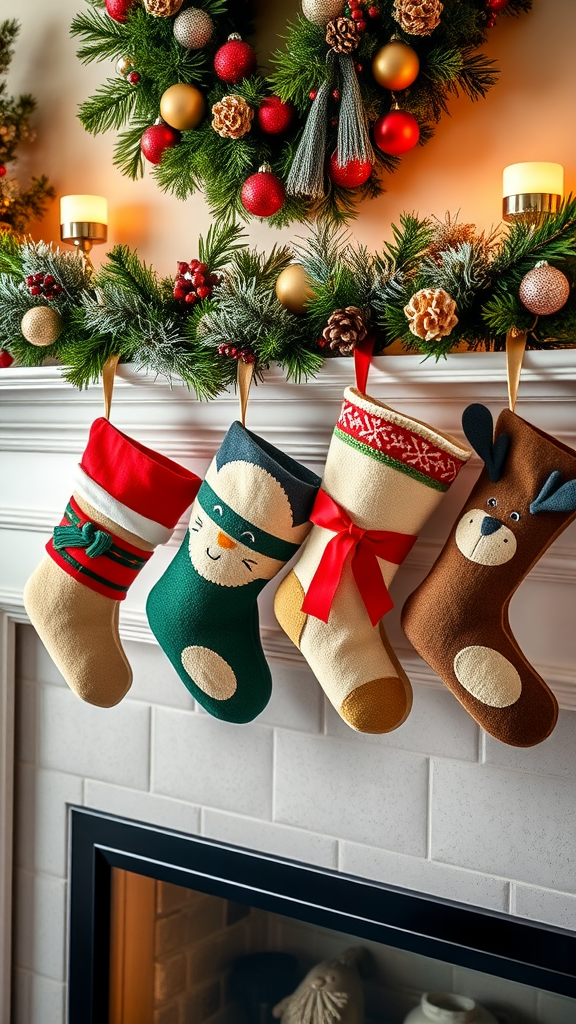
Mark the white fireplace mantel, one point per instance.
(44, 424)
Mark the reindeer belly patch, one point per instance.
(488, 676)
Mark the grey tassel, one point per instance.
(306, 177)
(353, 132)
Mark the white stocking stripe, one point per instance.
(127, 518)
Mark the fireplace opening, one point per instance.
(167, 928)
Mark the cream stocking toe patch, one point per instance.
(488, 676)
(210, 672)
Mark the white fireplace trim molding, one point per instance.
(44, 421)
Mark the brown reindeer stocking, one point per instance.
(457, 619)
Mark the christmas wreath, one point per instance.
(434, 286)
(358, 84)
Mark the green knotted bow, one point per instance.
(96, 542)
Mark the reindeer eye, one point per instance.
(515, 516)
(492, 502)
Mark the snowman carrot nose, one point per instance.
(225, 542)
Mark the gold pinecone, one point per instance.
(344, 330)
(232, 117)
(418, 17)
(163, 8)
(342, 35)
(432, 314)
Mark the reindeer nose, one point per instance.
(225, 542)
(489, 525)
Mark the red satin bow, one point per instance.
(365, 545)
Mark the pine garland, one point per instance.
(450, 65)
(129, 311)
(18, 206)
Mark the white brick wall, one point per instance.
(431, 807)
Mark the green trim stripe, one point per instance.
(236, 527)
(116, 553)
(88, 572)
(389, 461)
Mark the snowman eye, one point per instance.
(492, 502)
(218, 508)
(515, 516)
(249, 535)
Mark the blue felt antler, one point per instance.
(478, 426)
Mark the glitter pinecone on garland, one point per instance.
(163, 8)
(342, 35)
(431, 314)
(345, 329)
(418, 17)
(232, 117)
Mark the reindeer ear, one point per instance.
(554, 496)
(479, 429)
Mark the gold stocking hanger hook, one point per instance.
(108, 374)
(244, 379)
(515, 348)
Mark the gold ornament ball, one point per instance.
(544, 290)
(320, 12)
(182, 106)
(294, 289)
(395, 66)
(41, 326)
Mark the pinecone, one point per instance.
(343, 35)
(431, 314)
(344, 330)
(232, 117)
(163, 8)
(418, 17)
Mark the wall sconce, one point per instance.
(532, 190)
(83, 221)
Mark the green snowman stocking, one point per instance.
(250, 516)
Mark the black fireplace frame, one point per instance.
(508, 947)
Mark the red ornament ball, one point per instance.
(350, 175)
(396, 132)
(275, 116)
(263, 194)
(118, 9)
(496, 5)
(234, 60)
(133, 78)
(156, 139)
(2, 170)
(6, 359)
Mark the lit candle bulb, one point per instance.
(532, 190)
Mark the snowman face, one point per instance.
(221, 559)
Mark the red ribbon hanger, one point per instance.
(366, 547)
(362, 359)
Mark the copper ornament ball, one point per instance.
(395, 66)
(182, 106)
(320, 12)
(544, 290)
(294, 289)
(41, 326)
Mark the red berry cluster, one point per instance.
(193, 282)
(232, 352)
(359, 11)
(43, 284)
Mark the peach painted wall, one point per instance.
(528, 116)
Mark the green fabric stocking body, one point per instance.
(249, 518)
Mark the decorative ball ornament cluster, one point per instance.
(42, 326)
(544, 290)
(363, 108)
(431, 314)
(263, 194)
(193, 28)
